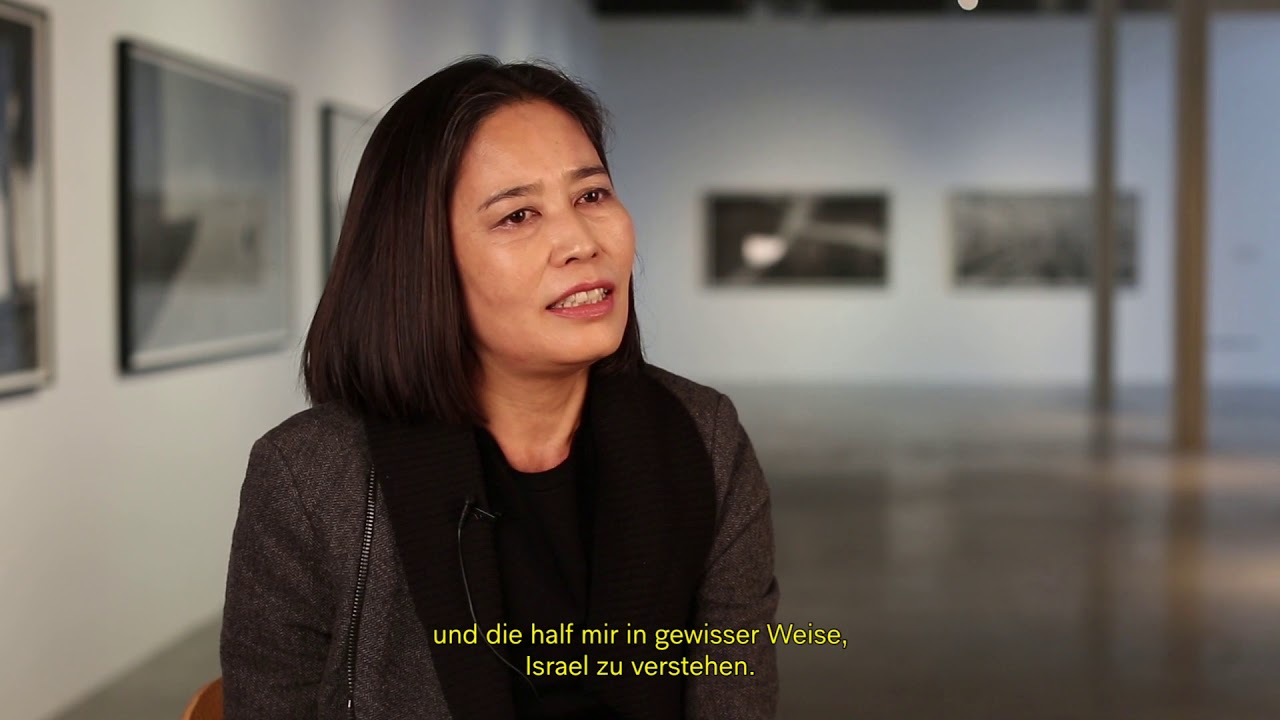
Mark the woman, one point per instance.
(488, 449)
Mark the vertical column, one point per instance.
(1104, 207)
(1190, 272)
(1099, 617)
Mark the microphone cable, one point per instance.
(467, 508)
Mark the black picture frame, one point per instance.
(797, 238)
(1037, 239)
(26, 267)
(205, 210)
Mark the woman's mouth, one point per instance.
(586, 297)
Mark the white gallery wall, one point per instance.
(918, 108)
(118, 494)
(1244, 204)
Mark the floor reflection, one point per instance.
(989, 561)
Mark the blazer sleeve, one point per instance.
(739, 589)
(275, 629)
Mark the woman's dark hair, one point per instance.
(390, 337)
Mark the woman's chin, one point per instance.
(585, 355)
(584, 344)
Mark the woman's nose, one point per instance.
(575, 240)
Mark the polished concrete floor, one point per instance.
(999, 555)
(991, 554)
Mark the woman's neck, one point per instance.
(533, 418)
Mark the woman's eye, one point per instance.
(595, 196)
(517, 217)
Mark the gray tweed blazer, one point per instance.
(345, 556)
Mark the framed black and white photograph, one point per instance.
(25, 270)
(1037, 239)
(798, 239)
(344, 132)
(204, 211)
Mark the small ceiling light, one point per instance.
(968, 4)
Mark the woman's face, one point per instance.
(543, 245)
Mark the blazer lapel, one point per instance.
(654, 521)
(427, 472)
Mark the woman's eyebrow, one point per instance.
(517, 191)
(581, 173)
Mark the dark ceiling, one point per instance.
(731, 8)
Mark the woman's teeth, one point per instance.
(586, 297)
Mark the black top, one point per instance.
(543, 544)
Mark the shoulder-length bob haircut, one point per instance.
(390, 337)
